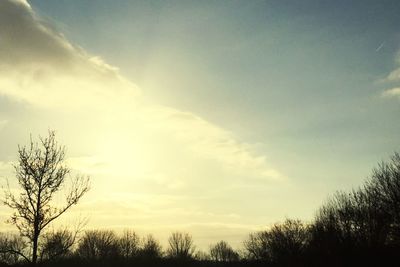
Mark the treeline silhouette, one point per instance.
(356, 228)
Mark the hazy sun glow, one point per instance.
(215, 140)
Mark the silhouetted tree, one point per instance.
(151, 248)
(287, 241)
(383, 191)
(342, 224)
(222, 251)
(11, 248)
(58, 244)
(256, 246)
(201, 256)
(180, 246)
(41, 173)
(98, 244)
(362, 222)
(129, 244)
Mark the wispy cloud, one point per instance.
(393, 76)
(211, 141)
(41, 67)
(394, 92)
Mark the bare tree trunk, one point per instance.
(35, 247)
(36, 233)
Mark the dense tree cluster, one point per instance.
(285, 242)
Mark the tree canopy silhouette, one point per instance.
(180, 246)
(222, 251)
(98, 244)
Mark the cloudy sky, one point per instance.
(213, 117)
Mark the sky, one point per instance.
(218, 118)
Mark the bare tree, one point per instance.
(98, 244)
(41, 173)
(288, 241)
(11, 247)
(383, 191)
(202, 256)
(222, 251)
(282, 242)
(365, 221)
(151, 248)
(180, 246)
(256, 246)
(57, 244)
(129, 244)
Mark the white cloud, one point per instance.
(211, 141)
(394, 92)
(394, 76)
(40, 67)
